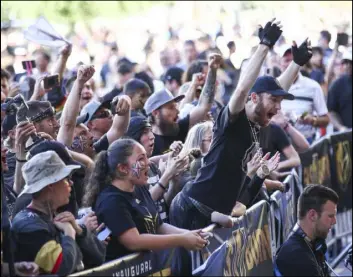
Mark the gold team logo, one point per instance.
(343, 164)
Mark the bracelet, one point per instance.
(20, 161)
(163, 187)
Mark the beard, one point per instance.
(260, 114)
(167, 128)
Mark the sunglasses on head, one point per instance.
(102, 114)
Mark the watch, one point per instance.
(263, 171)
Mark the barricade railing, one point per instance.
(248, 249)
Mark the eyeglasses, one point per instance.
(101, 115)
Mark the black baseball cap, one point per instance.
(136, 126)
(55, 146)
(173, 73)
(270, 85)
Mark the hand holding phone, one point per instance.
(51, 81)
(102, 236)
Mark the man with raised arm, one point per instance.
(217, 186)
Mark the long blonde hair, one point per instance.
(195, 136)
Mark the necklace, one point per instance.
(253, 132)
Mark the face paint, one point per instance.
(77, 144)
(136, 169)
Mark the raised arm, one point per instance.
(60, 65)
(71, 108)
(301, 56)
(208, 91)
(268, 36)
(121, 119)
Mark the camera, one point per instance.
(12, 106)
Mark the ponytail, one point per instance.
(98, 180)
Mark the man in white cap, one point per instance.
(339, 101)
(309, 106)
(57, 244)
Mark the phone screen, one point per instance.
(28, 64)
(104, 234)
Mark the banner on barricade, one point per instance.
(316, 164)
(246, 250)
(284, 210)
(341, 164)
(141, 264)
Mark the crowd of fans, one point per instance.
(88, 178)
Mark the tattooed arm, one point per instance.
(208, 91)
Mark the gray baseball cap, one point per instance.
(160, 98)
(88, 111)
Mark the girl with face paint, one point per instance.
(120, 198)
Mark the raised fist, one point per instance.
(85, 72)
(198, 79)
(302, 54)
(215, 60)
(66, 50)
(270, 34)
(123, 105)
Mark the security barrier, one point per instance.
(249, 247)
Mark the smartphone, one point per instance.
(342, 39)
(51, 81)
(28, 64)
(104, 234)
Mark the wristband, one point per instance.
(163, 187)
(20, 161)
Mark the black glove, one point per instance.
(270, 34)
(302, 54)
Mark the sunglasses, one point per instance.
(101, 115)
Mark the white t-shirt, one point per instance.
(308, 98)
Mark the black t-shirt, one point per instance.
(122, 211)
(154, 175)
(162, 143)
(219, 181)
(295, 258)
(273, 139)
(101, 144)
(340, 99)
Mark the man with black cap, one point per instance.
(173, 79)
(235, 139)
(163, 111)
